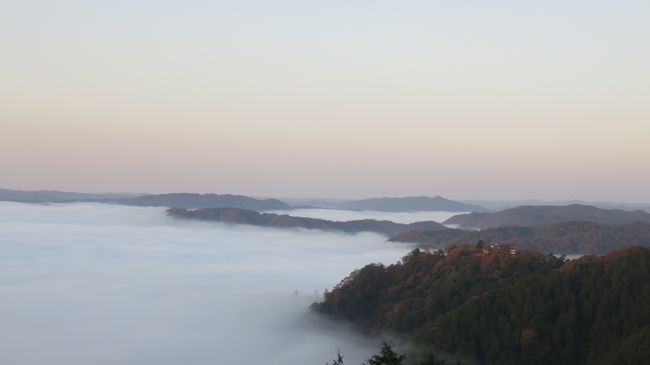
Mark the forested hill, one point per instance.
(540, 215)
(492, 307)
(408, 204)
(560, 238)
(243, 216)
(194, 201)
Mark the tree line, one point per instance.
(490, 305)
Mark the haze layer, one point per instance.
(102, 284)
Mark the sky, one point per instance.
(107, 284)
(338, 99)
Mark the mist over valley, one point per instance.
(325, 183)
(105, 284)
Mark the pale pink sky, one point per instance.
(502, 102)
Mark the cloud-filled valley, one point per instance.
(108, 284)
(350, 215)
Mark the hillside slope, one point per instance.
(242, 216)
(540, 215)
(400, 204)
(490, 307)
(195, 201)
(560, 238)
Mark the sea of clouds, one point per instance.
(109, 284)
(349, 215)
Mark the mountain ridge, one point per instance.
(197, 201)
(546, 214)
(397, 204)
(56, 196)
(567, 238)
(249, 217)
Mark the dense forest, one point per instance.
(496, 305)
(565, 238)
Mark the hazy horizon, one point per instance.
(493, 105)
(508, 100)
(299, 200)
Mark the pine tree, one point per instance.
(387, 357)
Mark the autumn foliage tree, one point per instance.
(491, 307)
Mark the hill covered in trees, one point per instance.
(560, 238)
(195, 201)
(243, 216)
(541, 215)
(489, 306)
(405, 204)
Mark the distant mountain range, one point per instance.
(572, 229)
(195, 201)
(52, 196)
(401, 204)
(249, 217)
(496, 205)
(174, 200)
(559, 238)
(540, 215)
(386, 204)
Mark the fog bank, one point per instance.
(349, 215)
(104, 284)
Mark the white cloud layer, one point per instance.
(349, 215)
(102, 284)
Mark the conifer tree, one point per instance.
(387, 357)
